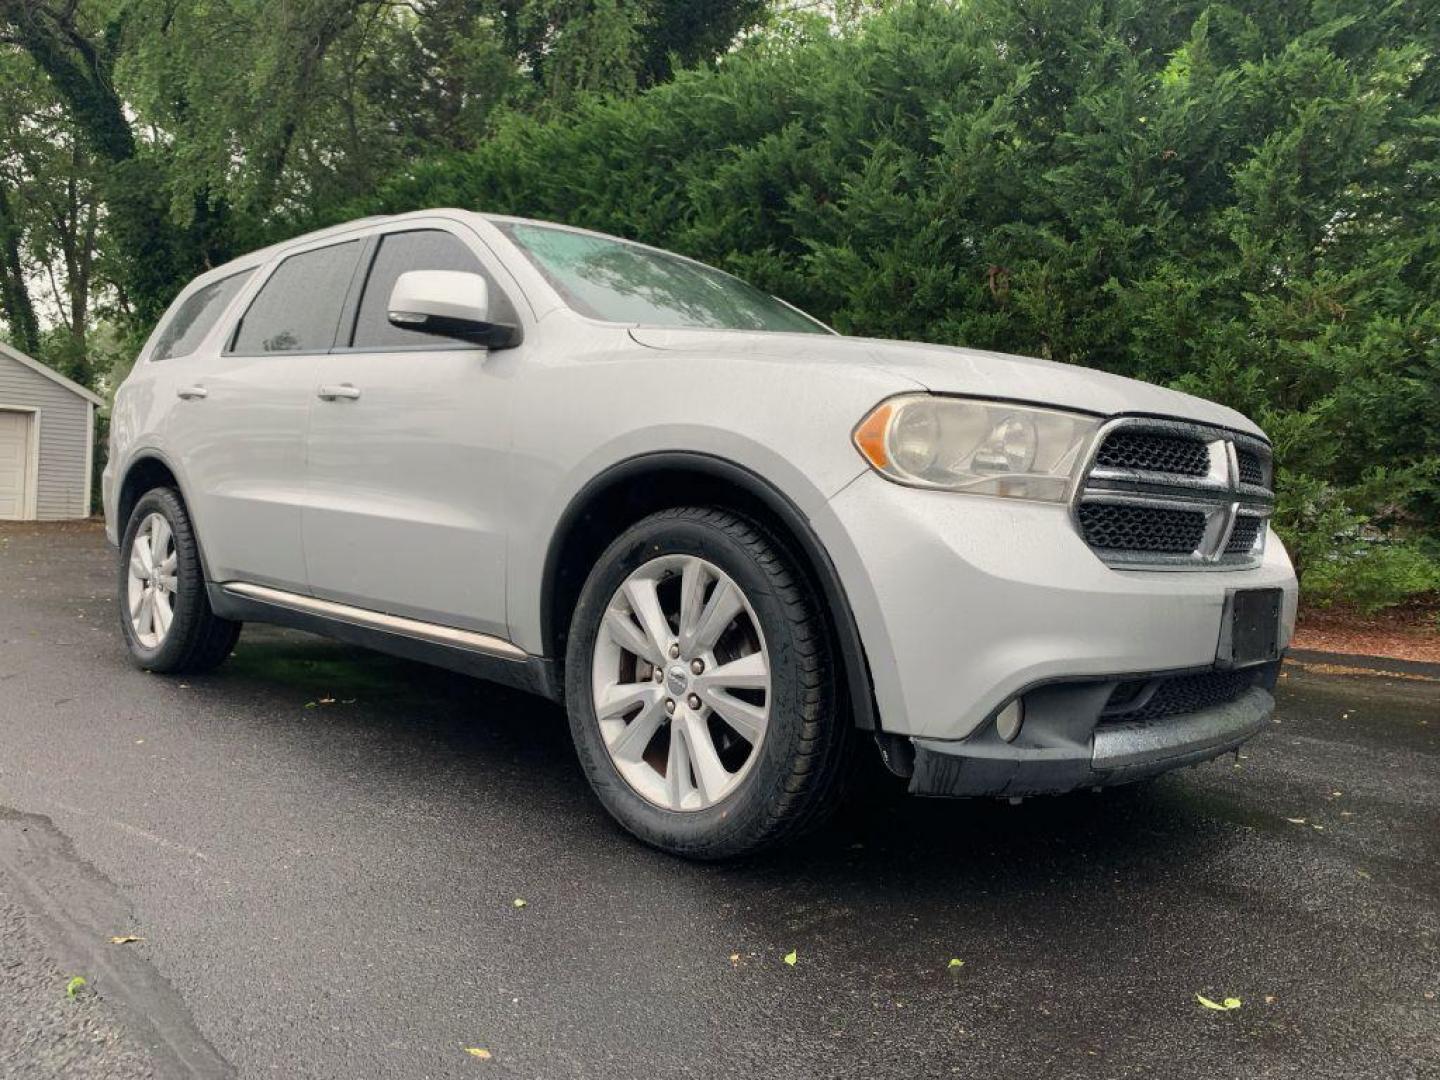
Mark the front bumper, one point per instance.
(1069, 742)
(963, 602)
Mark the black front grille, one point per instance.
(1146, 450)
(1154, 529)
(1252, 471)
(1242, 536)
(1174, 696)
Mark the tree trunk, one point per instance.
(15, 299)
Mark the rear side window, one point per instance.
(399, 253)
(186, 328)
(298, 309)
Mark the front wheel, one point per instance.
(164, 611)
(702, 694)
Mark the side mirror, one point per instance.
(448, 303)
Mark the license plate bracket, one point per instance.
(1250, 628)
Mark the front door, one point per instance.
(242, 413)
(408, 443)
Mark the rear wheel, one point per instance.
(164, 611)
(702, 694)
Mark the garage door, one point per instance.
(14, 463)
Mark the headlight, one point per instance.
(982, 447)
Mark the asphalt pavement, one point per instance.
(323, 851)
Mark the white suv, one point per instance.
(729, 540)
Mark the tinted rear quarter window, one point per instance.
(399, 253)
(298, 309)
(186, 328)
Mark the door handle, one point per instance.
(191, 392)
(335, 393)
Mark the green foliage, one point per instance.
(1238, 201)
(210, 127)
(1373, 576)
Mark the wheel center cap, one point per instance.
(677, 679)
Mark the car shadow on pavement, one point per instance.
(516, 749)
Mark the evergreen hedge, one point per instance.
(1239, 201)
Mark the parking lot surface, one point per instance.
(323, 852)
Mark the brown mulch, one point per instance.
(1409, 632)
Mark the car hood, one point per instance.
(945, 369)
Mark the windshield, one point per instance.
(625, 283)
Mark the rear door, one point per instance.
(242, 410)
(408, 444)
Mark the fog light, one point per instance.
(1007, 723)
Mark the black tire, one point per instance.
(804, 758)
(198, 640)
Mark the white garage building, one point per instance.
(47, 441)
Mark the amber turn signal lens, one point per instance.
(870, 436)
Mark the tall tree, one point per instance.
(216, 124)
(76, 45)
(49, 218)
(52, 214)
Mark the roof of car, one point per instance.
(265, 254)
(260, 256)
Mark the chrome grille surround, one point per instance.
(1226, 495)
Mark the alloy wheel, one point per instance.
(151, 581)
(681, 682)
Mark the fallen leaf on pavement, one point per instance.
(790, 957)
(124, 939)
(1269, 999)
(519, 902)
(954, 963)
(479, 1052)
(74, 986)
(1230, 1003)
